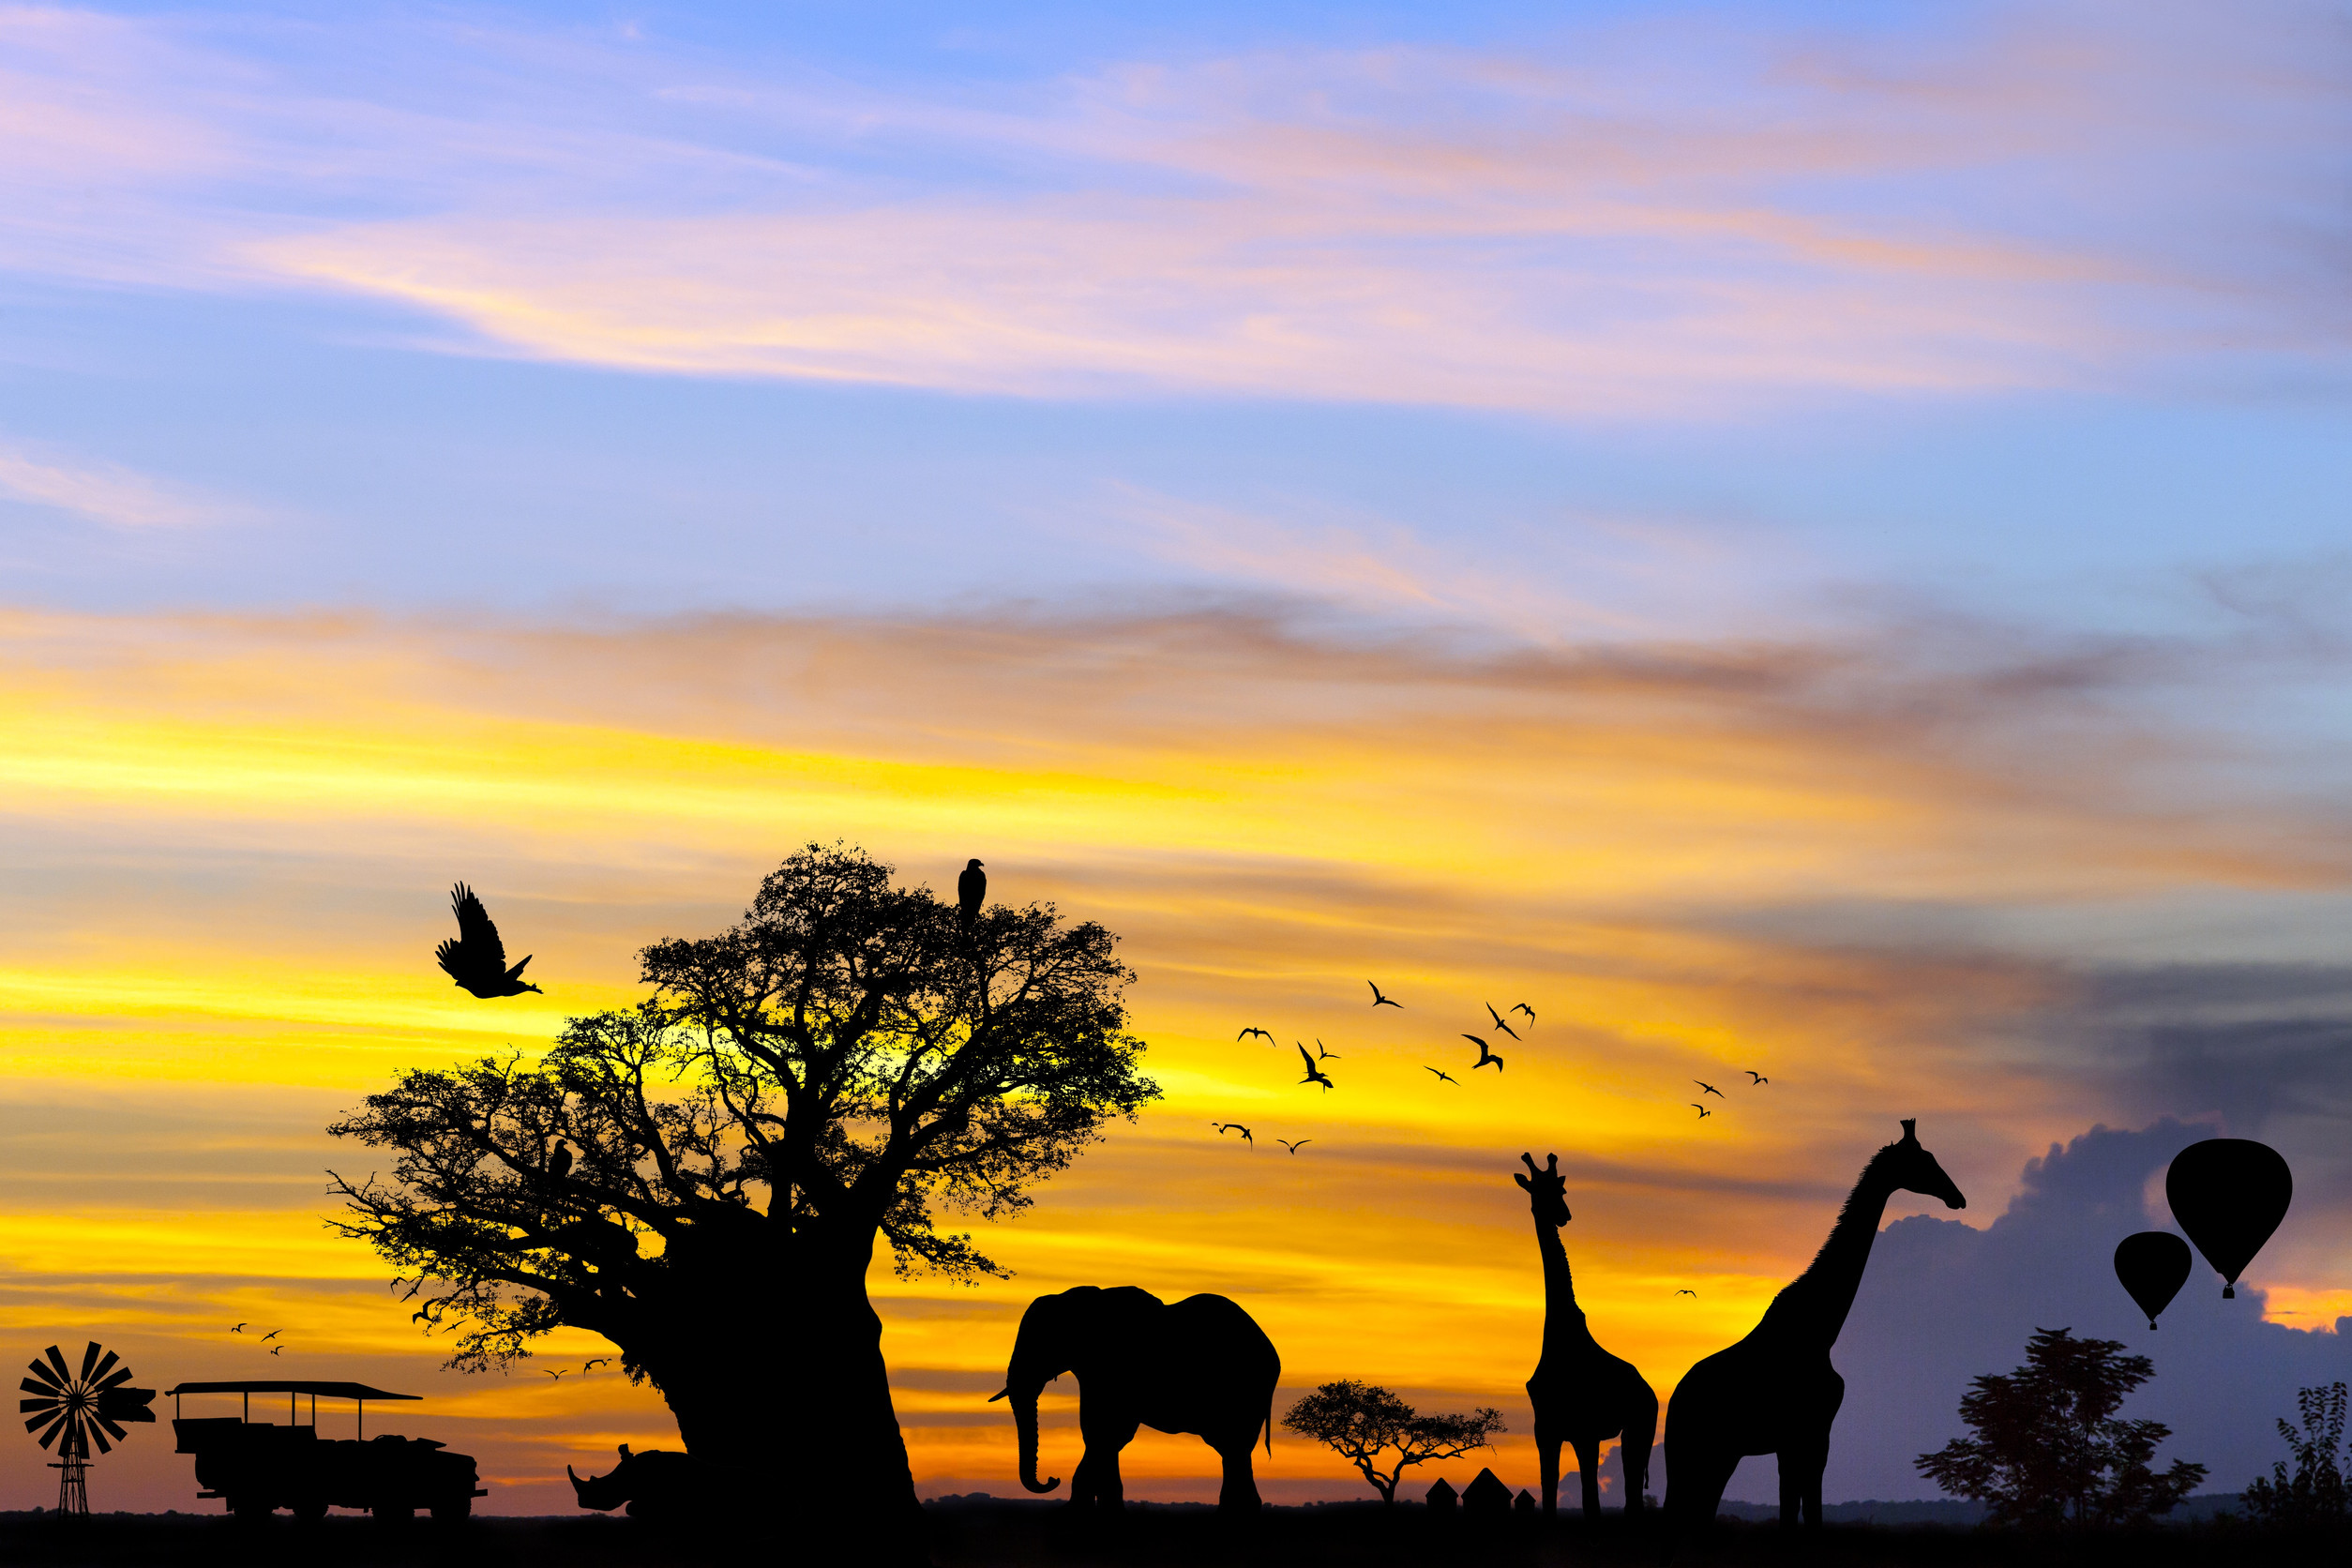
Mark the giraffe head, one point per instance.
(1546, 1189)
(1906, 1166)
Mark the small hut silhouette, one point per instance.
(1487, 1496)
(1442, 1497)
(1524, 1503)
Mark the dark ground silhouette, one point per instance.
(1775, 1391)
(1582, 1395)
(1200, 1366)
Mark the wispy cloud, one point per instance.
(1619, 219)
(115, 496)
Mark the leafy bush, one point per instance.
(2048, 1448)
(2315, 1493)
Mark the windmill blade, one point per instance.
(51, 1436)
(23, 1405)
(42, 1420)
(89, 1359)
(57, 1360)
(100, 1370)
(90, 1429)
(40, 1368)
(29, 1386)
(115, 1381)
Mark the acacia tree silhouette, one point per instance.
(1360, 1422)
(821, 1076)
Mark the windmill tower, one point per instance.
(69, 1410)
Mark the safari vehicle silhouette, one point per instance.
(260, 1467)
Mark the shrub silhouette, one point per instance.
(2315, 1493)
(1360, 1421)
(2048, 1448)
(820, 1077)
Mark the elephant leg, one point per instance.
(1548, 1457)
(1096, 1483)
(1589, 1476)
(1238, 1495)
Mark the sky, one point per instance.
(1810, 539)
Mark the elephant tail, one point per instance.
(1270, 1425)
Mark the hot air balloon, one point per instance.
(2153, 1266)
(2229, 1193)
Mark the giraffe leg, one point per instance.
(1792, 1494)
(1695, 1486)
(1633, 1453)
(1548, 1460)
(1802, 1472)
(1589, 1473)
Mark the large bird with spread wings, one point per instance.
(478, 959)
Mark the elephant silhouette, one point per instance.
(1200, 1366)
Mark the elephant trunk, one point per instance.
(1025, 1420)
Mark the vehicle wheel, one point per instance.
(311, 1509)
(453, 1511)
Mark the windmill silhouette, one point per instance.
(80, 1408)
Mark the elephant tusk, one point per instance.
(1000, 1394)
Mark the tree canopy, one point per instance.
(2048, 1446)
(2315, 1493)
(844, 1063)
(1361, 1423)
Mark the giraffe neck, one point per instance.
(1811, 1310)
(1564, 1319)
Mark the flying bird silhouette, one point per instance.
(1294, 1148)
(1759, 1077)
(277, 1349)
(1708, 1088)
(1314, 1074)
(1259, 1032)
(1379, 1001)
(559, 1164)
(970, 888)
(1484, 1055)
(271, 1335)
(239, 1329)
(1224, 1127)
(1703, 1112)
(1323, 1055)
(1523, 1007)
(557, 1373)
(1446, 1076)
(1499, 1023)
(600, 1361)
(1686, 1292)
(476, 960)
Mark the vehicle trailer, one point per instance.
(259, 1467)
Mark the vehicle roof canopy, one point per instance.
(325, 1390)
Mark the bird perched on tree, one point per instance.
(970, 888)
(476, 960)
(559, 1164)
(1484, 1054)
(1314, 1074)
(1379, 1001)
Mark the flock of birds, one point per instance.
(1313, 1061)
(274, 1350)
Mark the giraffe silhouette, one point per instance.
(1775, 1391)
(1582, 1394)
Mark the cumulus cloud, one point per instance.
(1943, 1303)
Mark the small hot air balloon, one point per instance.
(2229, 1193)
(2153, 1266)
